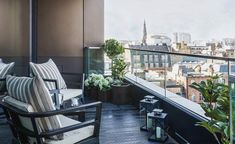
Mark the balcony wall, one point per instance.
(181, 122)
(64, 28)
(14, 33)
(64, 25)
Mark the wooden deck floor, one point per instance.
(120, 125)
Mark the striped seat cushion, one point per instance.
(48, 70)
(25, 121)
(34, 92)
(5, 69)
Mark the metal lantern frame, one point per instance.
(148, 106)
(159, 128)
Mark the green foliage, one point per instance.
(98, 81)
(216, 106)
(119, 68)
(114, 51)
(118, 82)
(113, 48)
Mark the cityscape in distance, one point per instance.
(174, 72)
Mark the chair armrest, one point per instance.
(51, 113)
(67, 129)
(77, 109)
(34, 115)
(56, 97)
(53, 81)
(55, 91)
(2, 79)
(53, 132)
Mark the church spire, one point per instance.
(144, 40)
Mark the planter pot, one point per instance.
(104, 96)
(94, 93)
(121, 94)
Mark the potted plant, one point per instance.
(99, 86)
(216, 107)
(120, 90)
(92, 85)
(104, 86)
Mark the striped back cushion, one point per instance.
(5, 69)
(48, 70)
(1, 64)
(34, 92)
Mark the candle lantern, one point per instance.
(158, 131)
(147, 105)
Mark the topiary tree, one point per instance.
(119, 70)
(114, 51)
(113, 48)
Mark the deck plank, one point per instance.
(119, 125)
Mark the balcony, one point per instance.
(71, 34)
(169, 81)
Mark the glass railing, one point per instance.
(94, 61)
(169, 75)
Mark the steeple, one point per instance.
(144, 40)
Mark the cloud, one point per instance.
(204, 19)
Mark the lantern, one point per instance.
(148, 104)
(158, 131)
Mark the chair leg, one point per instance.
(81, 116)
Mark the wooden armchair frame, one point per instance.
(21, 133)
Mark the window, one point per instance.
(193, 97)
(136, 58)
(145, 58)
(146, 65)
(150, 58)
(156, 58)
(201, 97)
(192, 81)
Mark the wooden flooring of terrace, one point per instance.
(120, 125)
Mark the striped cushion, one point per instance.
(1, 64)
(5, 69)
(34, 92)
(48, 70)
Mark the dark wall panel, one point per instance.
(64, 27)
(14, 33)
(60, 28)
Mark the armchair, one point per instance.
(5, 69)
(55, 82)
(74, 131)
(1, 94)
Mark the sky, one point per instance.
(203, 19)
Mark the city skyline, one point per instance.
(203, 19)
